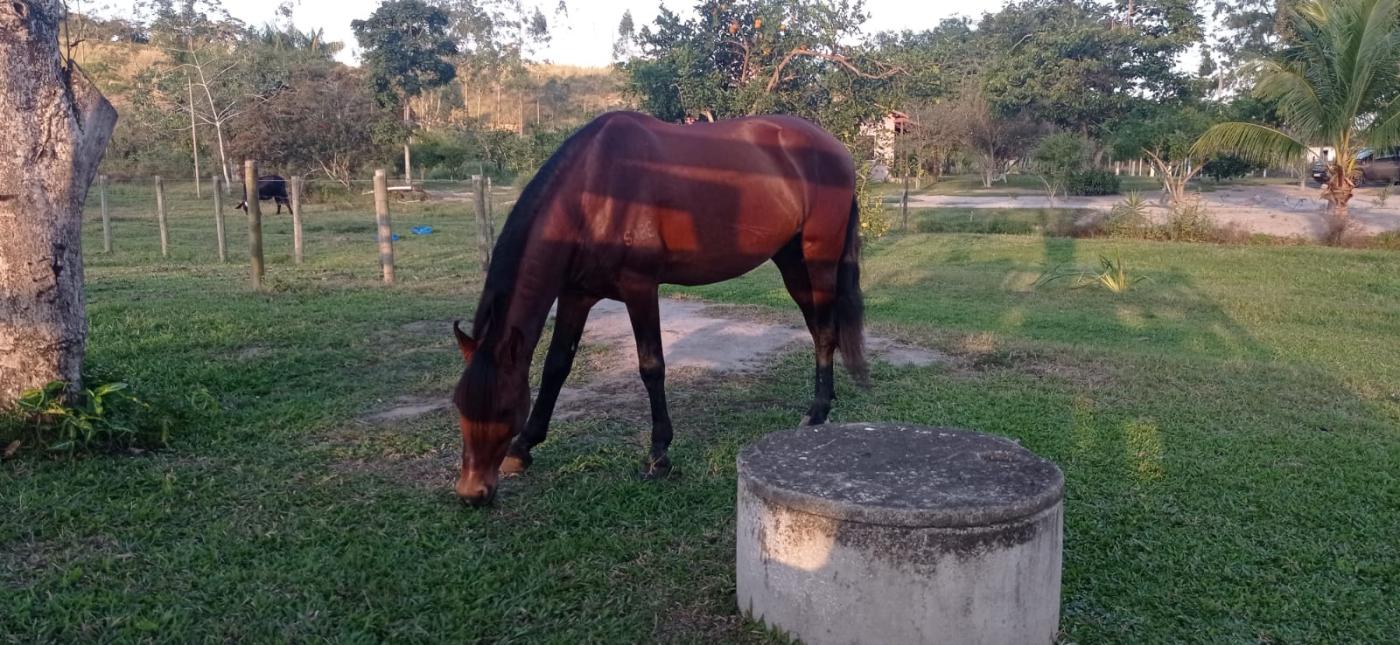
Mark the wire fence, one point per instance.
(159, 218)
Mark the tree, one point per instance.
(625, 45)
(202, 39)
(1059, 157)
(1164, 133)
(55, 125)
(404, 44)
(326, 121)
(1082, 65)
(801, 57)
(1332, 85)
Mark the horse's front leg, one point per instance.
(569, 320)
(645, 313)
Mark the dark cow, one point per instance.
(269, 187)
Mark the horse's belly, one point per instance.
(697, 251)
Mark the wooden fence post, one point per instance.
(490, 214)
(381, 219)
(296, 218)
(215, 181)
(483, 230)
(160, 218)
(255, 241)
(106, 217)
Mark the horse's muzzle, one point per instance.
(474, 491)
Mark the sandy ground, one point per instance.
(1272, 209)
(698, 340)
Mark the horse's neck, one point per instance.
(538, 283)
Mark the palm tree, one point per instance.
(1334, 85)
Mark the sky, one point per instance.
(585, 36)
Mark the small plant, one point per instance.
(1382, 195)
(1128, 218)
(1113, 276)
(102, 416)
(1190, 221)
(875, 219)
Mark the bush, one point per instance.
(1191, 222)
(102, 416)
(1128, 218)
(1092, 182)
(1226, 167)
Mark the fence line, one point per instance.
(474, 198)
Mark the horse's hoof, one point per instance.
(659, 469)
(515, 465)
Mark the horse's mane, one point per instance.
(509, 251)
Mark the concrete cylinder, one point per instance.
(878, 533)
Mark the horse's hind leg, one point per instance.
(645, 313)
(798, 278)
(569, 320)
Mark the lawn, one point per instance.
(1029, 184)
(1229, 431)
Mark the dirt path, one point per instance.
(1272, 209)
(698, 339)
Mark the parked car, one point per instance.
(1384, 168)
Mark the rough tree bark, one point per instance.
(55, 125)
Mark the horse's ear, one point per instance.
(464, 342)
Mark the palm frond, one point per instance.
(1256, 143)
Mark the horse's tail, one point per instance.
(850, 304)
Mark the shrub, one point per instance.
(1059, 157)
(875, 219)
(1226, 167)
(102, 416)
(1092, 182)
(1189, 221)
(1128, 218)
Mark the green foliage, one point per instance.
(761, 56)
(105, 416)
(1082, 65)
(1111, 276)
(875, 218)
(1091, 182)
(404, 45)
(1128, 218)
(1333, 84)
(1059, 157)
(1227, 167)
(1190, 221)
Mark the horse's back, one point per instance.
(707, 202)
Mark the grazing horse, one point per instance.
(628, 203)
(269, 187)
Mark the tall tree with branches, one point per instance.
(1334, 85)
(406, 44)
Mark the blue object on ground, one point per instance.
(422, 230)
(394, 237)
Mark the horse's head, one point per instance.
(491, 410)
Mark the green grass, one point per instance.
(1029, 184)
(1228, 431)
(1012, 221)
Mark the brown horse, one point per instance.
(628, 203)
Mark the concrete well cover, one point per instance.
(900, 475)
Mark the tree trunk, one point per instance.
(407, 156)
(55, 125)
(194, 137)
